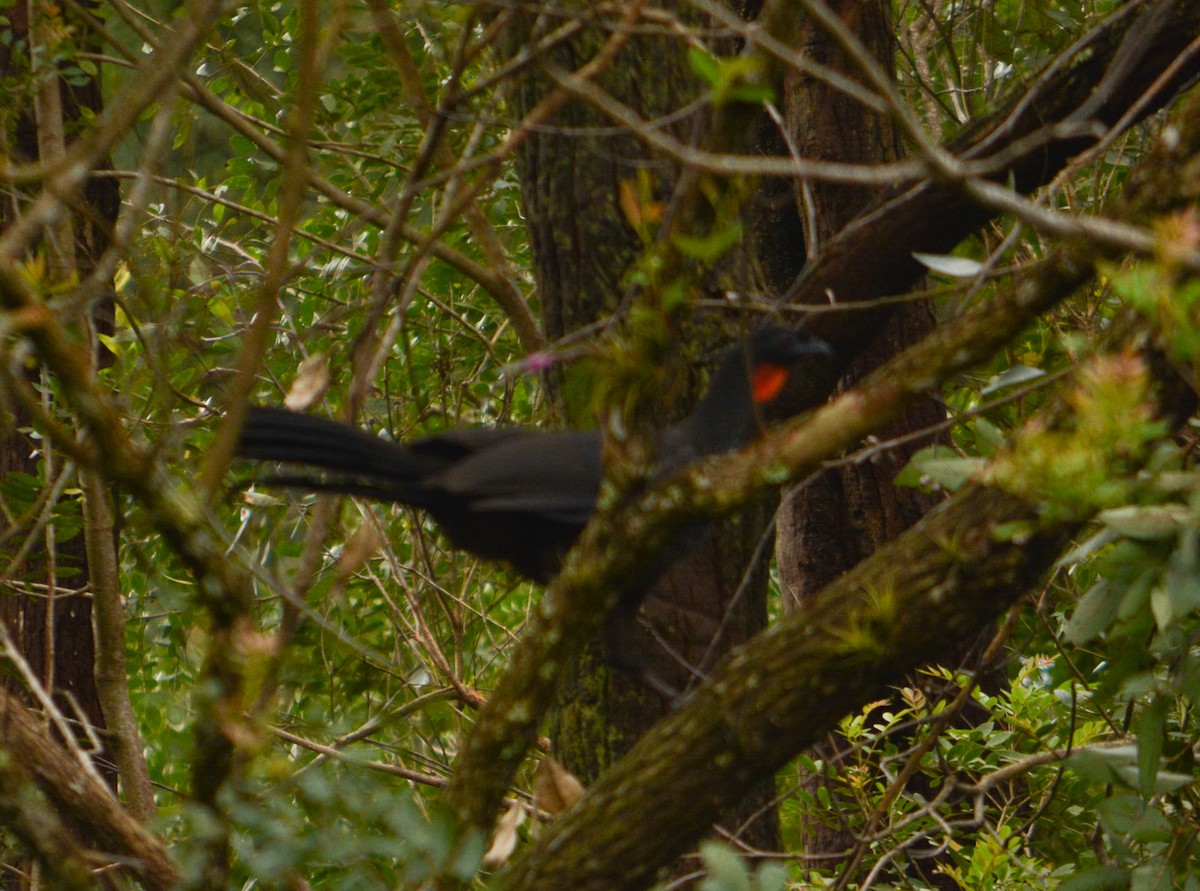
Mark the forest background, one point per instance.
(980, 585)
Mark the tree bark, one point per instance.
(576, 188)
(53, 627)
(843, 515)
(741, 727)
(76, 791)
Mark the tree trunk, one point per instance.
(46, 605)
(584, 246)
(845, 514)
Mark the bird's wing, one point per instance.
(553, 474)
(455, 445)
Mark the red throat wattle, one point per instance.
(766, 381)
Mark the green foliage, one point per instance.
(979, 49)
(939, 467)
(1158, 291)
(1081, 772)
(367, 658)
(738, 79)
(709, 248)
(726, 871)
(339, 826)
(1088, 462)
(1078, 773)
(1032, 829)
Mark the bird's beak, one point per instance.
(813, 346)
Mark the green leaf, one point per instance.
(1156, 875)
(736, 78)
(1160, 605)
(1130, 817)
(1118, 765)
(770, 877)
(704, 65)
(1181, 583)
(1088, 547)
(1137, 594)
(988, 437)
(709, 248)
(939, 466)
(753, 93)
(1097, 878)
(1152, 728)
(1103, 765)
(1096, 612)
(726, 870)
(1010, 377)
(467, 855)
(1149, 523)
(956, 267)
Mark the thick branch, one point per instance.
(789, 687)
(25, 812)
(112, 675)
(1066, 110)
(80, 794)
(942, 581)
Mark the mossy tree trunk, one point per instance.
(46, 603)
(578, 176)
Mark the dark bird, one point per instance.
(514, 494)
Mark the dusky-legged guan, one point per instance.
(522, 495)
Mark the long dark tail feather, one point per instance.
(311, 485)
(276, 434)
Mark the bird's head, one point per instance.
(750, 377)
(771, 352)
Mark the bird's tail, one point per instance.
(361, 464)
